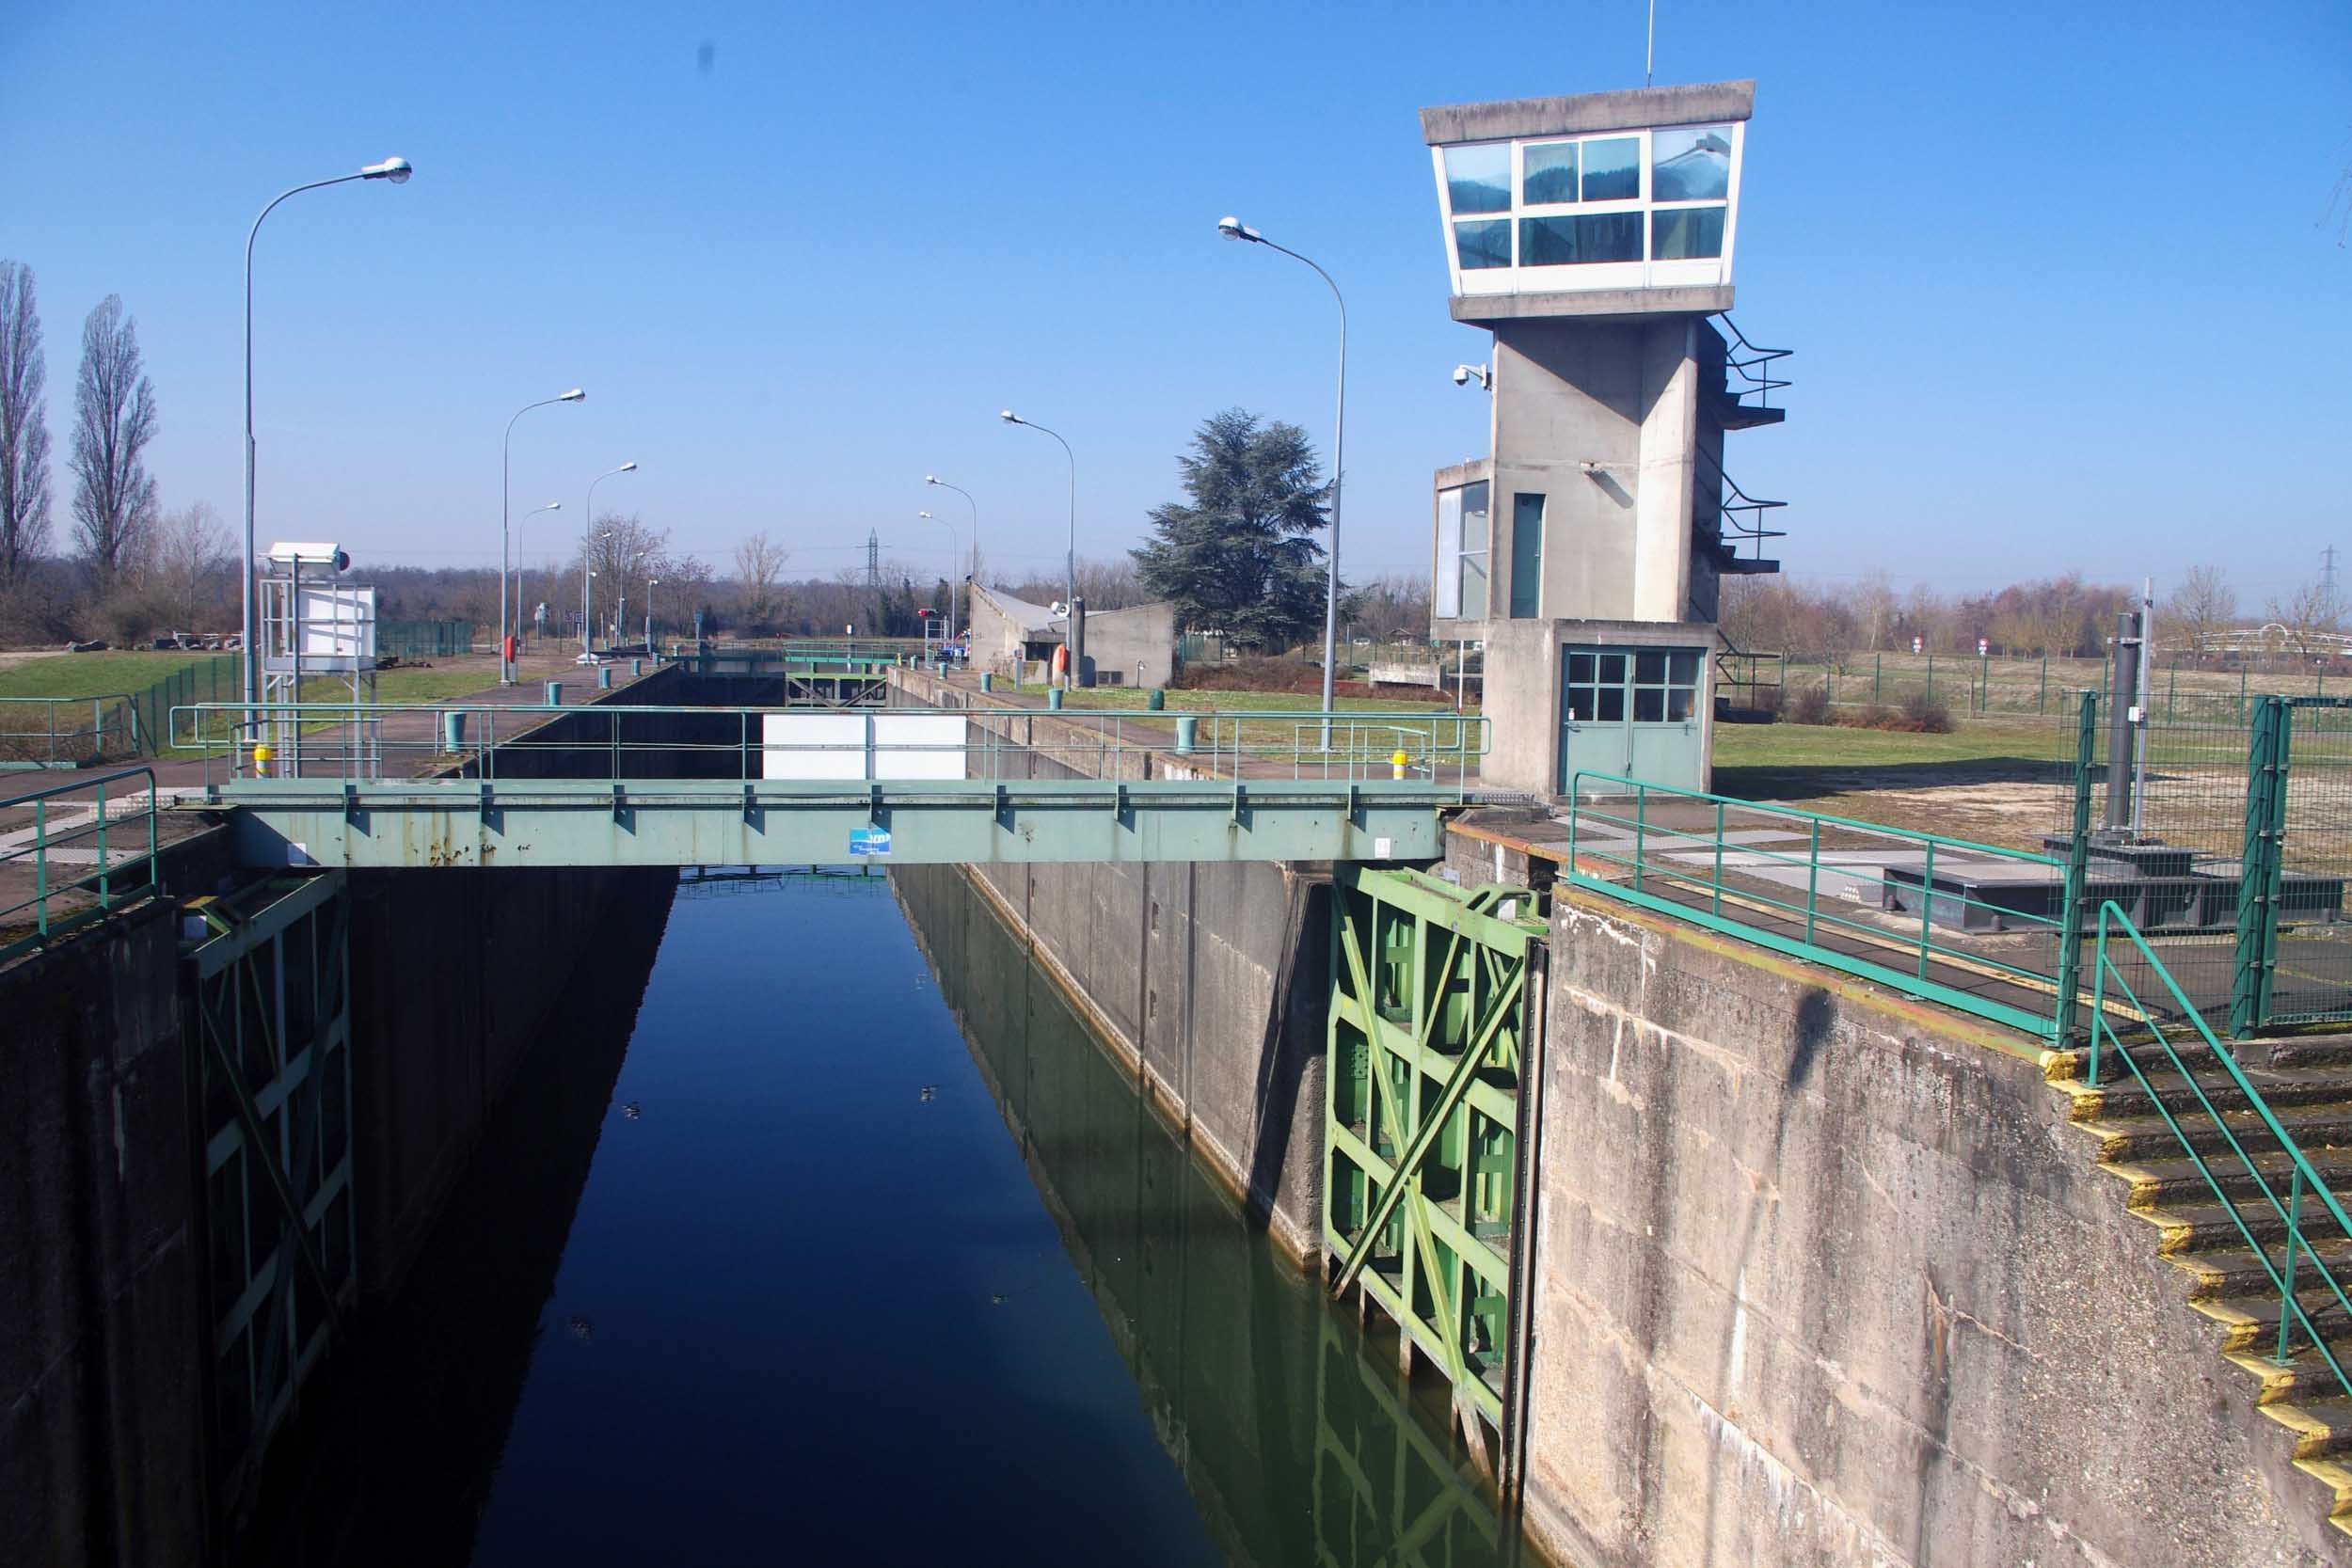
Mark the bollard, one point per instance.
(1157, 700)
(1187, 724)
(1053, 699)
(555, 694)
(636, 666)
(1396, 764)
(988, 680)
(604, 677)
(452, 731)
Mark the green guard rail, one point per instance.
(1690, 862)
(2228, 1146)
(114, 885)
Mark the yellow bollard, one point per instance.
(1396, 764)
(262, 755)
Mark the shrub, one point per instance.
(1811, 706)
(1924, 713)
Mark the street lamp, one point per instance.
(1074, 632)
(651, 583)
(520, 613)
(397, 171)
(585, 546)
(1234, 229)
(935, 479)
(951, 569)
(506, 669)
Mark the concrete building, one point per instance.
(1135, 646)
(1593, 236)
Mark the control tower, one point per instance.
(1594, 237)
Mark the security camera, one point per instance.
(1464, 374)
(1461, 375)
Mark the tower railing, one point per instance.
(1756, 368)
(1739, 516)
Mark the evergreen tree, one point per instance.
(1241, 556)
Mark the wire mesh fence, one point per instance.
(424, 638)
(1993, 685)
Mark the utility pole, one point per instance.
(873, 560)
(2327, 574)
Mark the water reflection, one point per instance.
(1289, 1426)
(810, 1308)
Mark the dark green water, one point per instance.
(791, 1248)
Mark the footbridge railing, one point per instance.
(372, 742)
(1971, 925)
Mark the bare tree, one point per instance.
(758, 563)
(2310, 617)
(114, 419)
(2201, 609)
(23, 426)
(193, 561)
(625, 552)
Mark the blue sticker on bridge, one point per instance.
(869, 841)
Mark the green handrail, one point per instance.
(2304, 1181)
(48, 888)
(1682, 872)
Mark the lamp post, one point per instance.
(951, 569)
(1234, 229)
(507, 448)
(586, 546)
(519, 612)
(935, 479)
(1074, 635)
(651, 583)
(396, 170)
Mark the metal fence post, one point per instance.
(2041, 700)
(1878, 673)
(2070, 957)
(2259, 865)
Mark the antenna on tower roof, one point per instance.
(1649, 55)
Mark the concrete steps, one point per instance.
(2220, 1229)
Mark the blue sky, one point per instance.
(2063, 280)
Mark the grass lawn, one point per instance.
(1764, 749)
(104, 674)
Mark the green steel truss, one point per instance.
(265, 993)
(1429, 1020)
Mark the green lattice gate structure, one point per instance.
(266, 998)
(1435, 993)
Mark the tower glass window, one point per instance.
(1460, 590)
(1478, 178)
(1625, 209)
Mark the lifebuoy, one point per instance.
(1061, 659)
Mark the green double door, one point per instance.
(1632, 713)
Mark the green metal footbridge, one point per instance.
(534, 784)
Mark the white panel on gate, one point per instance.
(812, 746)
(918, 746)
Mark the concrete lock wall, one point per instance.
(1823, 1277)
(104, 1326)
(451, 972)
(102, 1338)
